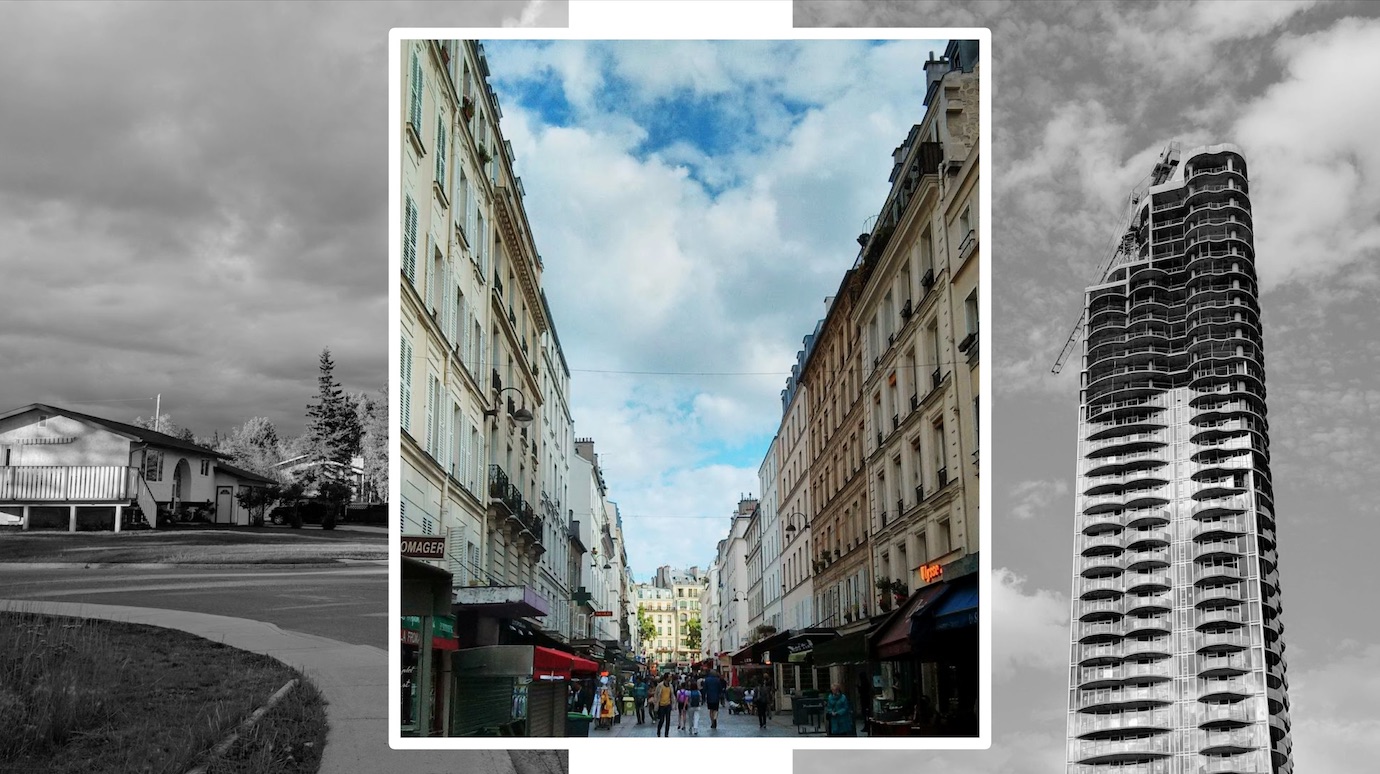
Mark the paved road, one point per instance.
(348, 603)
(730, 727)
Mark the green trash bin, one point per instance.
(577, 723)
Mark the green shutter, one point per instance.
(410, 241)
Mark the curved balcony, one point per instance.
(1220, 664)
(1204, 619)
(1150, 537)
(1084, 630)
(1231, 741)
(1087, 609)
(1228, 169)
(1086, 678)
(1122, 464)
(1100, 542)
(1096, 654)
(1231, 766)
(1148, 626)
(1140, 422)
(1089, 751)
(1109, 723)
(1133, 442)
(1226, 687)
(1206, 574)
(1234, 639)
(1109, 410)
(1158, 602)
(1161, 766)
(1217, 549)
(1125, 484)
(1241, 712)
(1104, 698)
(1154, 647)
(1148, 581)
(1104, 520)
(1093, 586)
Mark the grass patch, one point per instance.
(95, 697)
(288, 739)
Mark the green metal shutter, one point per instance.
(480, 703)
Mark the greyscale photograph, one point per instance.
(194, 401)
(1185, 272)
(689, 364)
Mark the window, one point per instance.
(409, 260)
(153, 465)
(942, 538)
(406, 368)
(970, 311)
(205, 467)
(414, 104)
(441, 151)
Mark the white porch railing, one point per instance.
(67, 484)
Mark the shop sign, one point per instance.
(411, 637)
(424, 546)
(930, 572)
(603, 613)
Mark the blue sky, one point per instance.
(694, 202)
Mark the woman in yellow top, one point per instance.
(665, 695)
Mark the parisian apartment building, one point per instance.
(868, 517)
(1177, 656)
(489, 454)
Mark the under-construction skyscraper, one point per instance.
(1177, 660)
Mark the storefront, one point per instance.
(428, 634)
(845, 657)
(515, 690)
(899, 679)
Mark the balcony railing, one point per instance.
(64, 483)
(498, 483)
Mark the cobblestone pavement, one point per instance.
(730, 727)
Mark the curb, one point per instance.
(245, 726)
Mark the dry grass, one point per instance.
(91, 697)
(289, 739)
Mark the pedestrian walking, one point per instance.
(763, 700)
(839, 712)
(640, 700)
(682, 697)
(692, 702)
(713, 687)
(665, 695)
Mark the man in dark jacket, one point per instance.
(713, 694)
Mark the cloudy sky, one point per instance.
(1085, 97)
(193, 202)
(694, 203)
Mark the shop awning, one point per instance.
(847, 649)
(803, 643)
(549, 662)
(958, 610)
(893, 639)
(742, 657)
(771, 650)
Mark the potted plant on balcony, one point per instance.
(899, 591)
(884, 589)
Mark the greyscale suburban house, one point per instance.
(61, 469)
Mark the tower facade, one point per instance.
(1177, 659)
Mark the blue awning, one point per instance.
(957, 610)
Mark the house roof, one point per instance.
(135, 432)
(247, 475)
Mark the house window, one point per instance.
(205, 467)
(970, 311)
(441, 151)
(153, 465)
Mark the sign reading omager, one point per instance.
(424, 546)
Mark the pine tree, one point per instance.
(373, 417)
(333, 428)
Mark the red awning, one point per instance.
(559, 664)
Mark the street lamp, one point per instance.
(790, 522)
(522, 416)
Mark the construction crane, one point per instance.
(1125, 245)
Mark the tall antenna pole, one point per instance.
(158, 413)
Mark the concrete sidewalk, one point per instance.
(353, 679)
